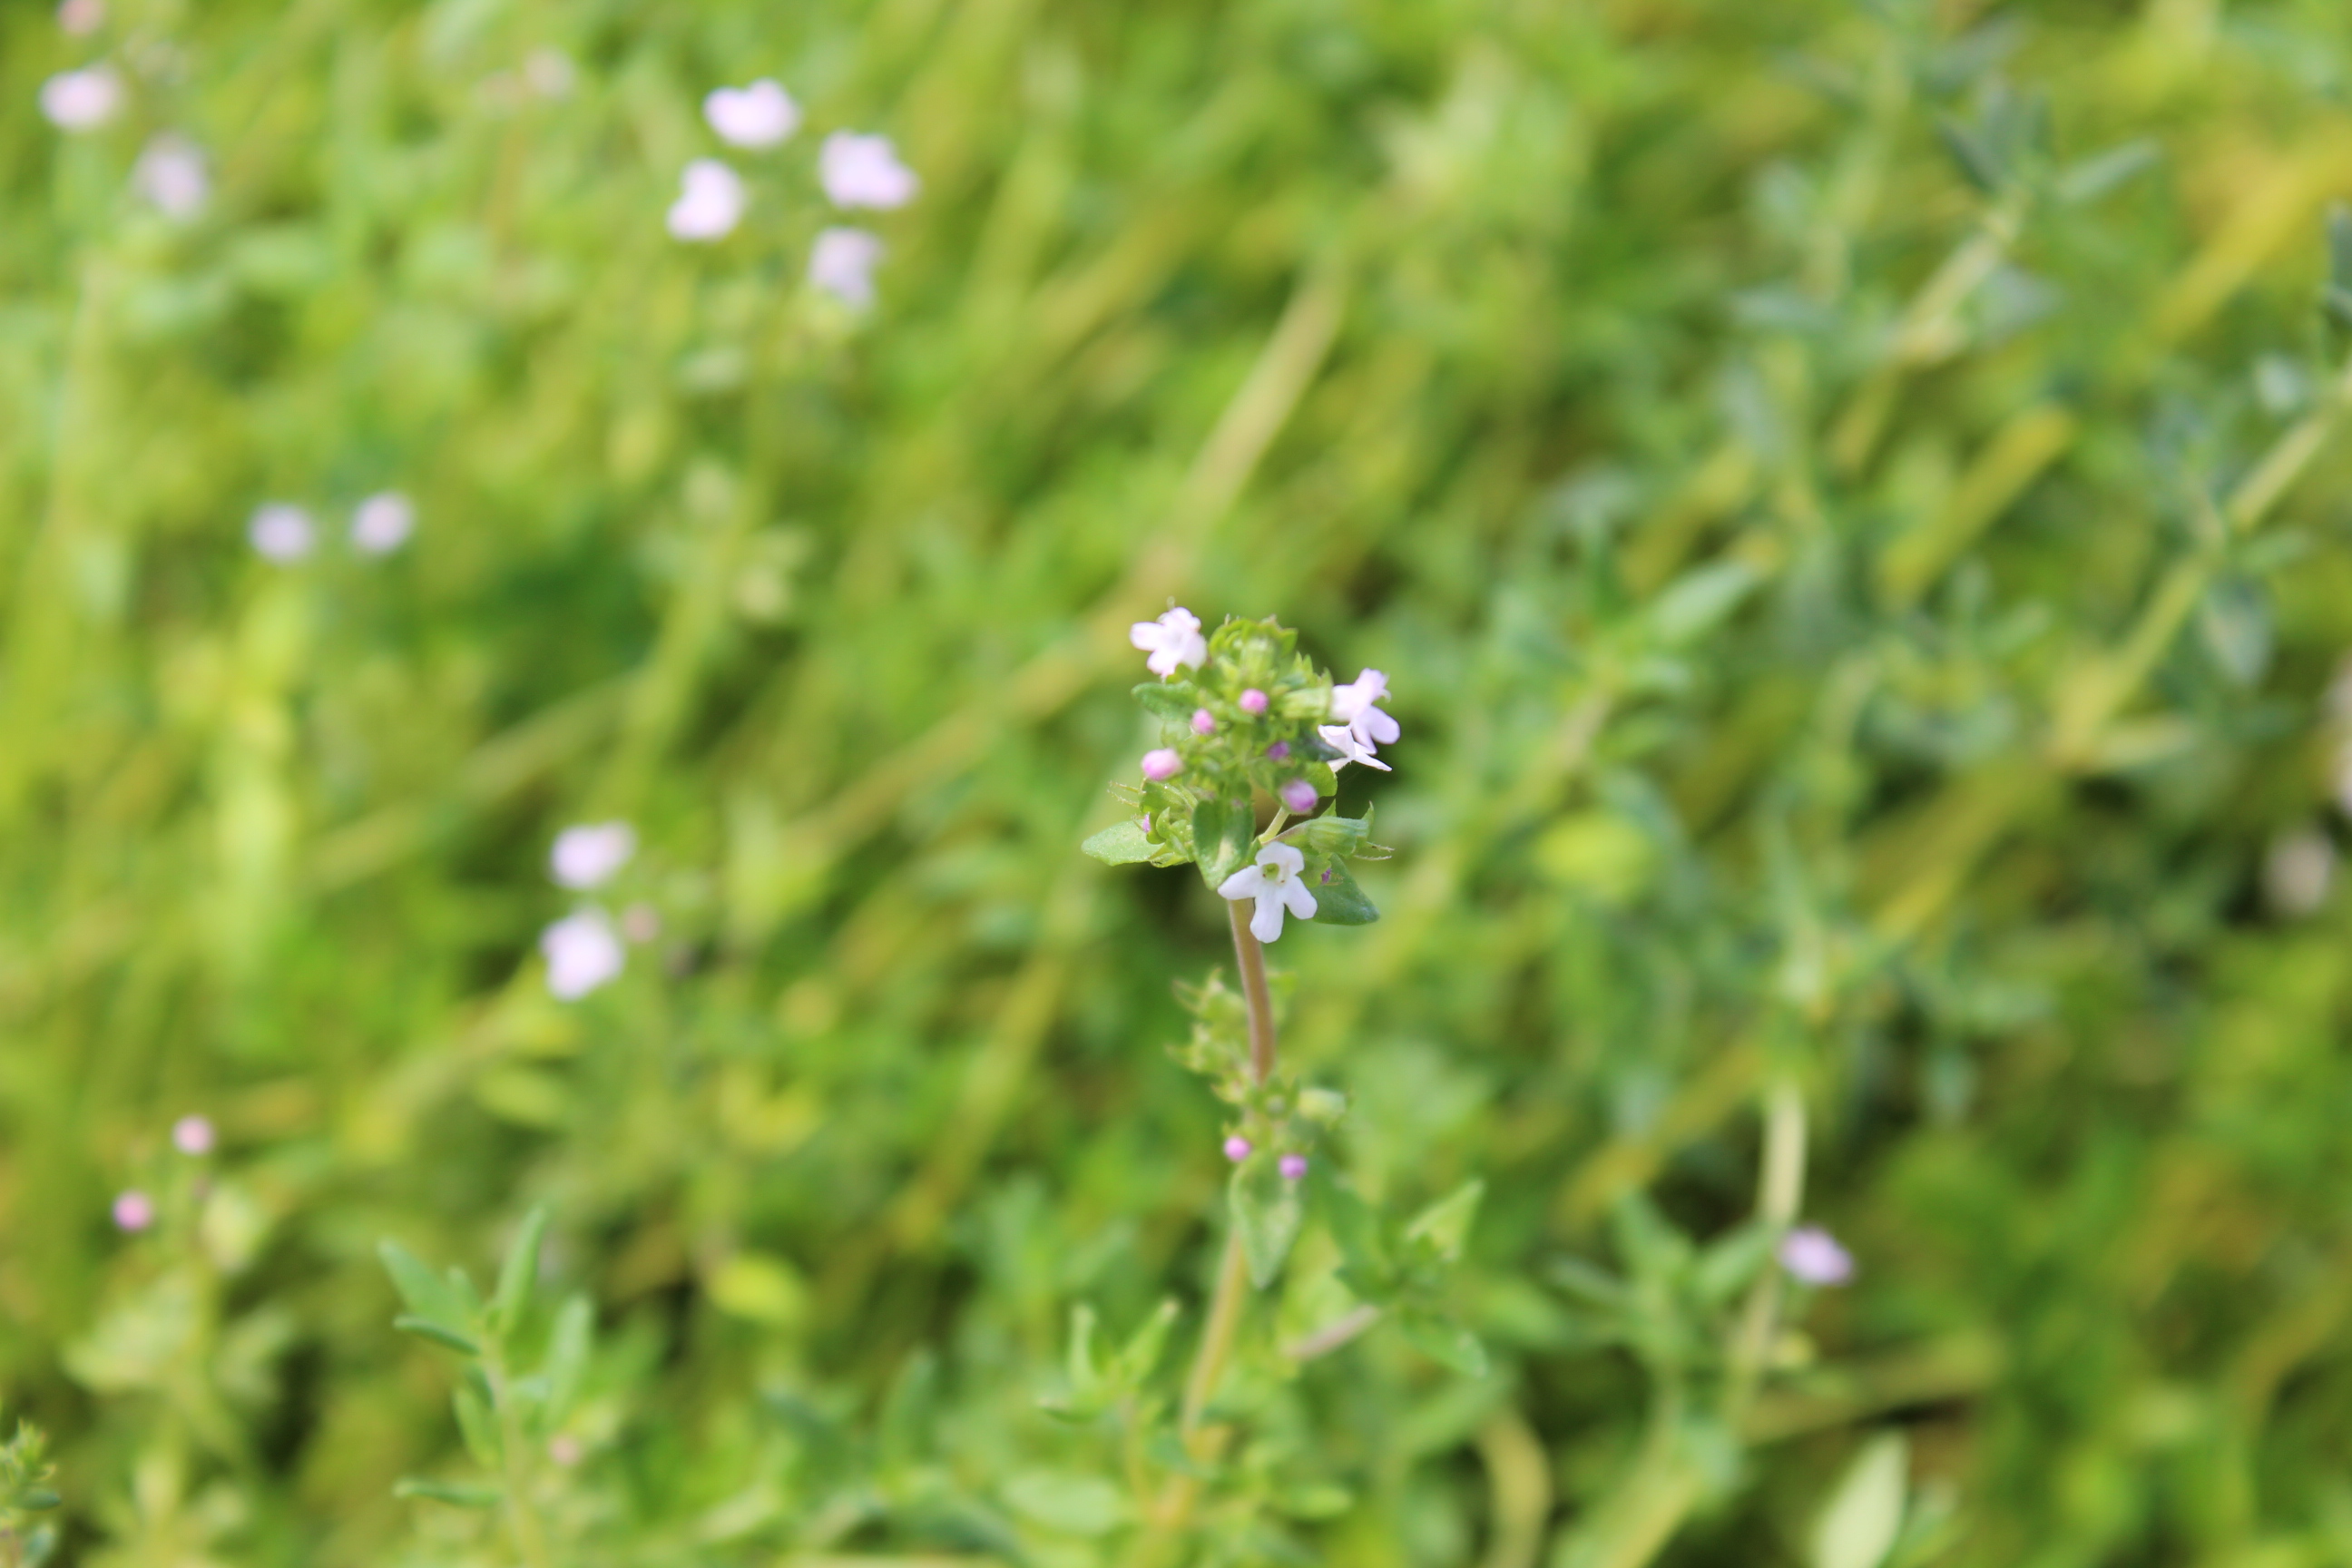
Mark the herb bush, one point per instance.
(560, 637)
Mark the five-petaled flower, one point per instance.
(1274, 883)
(1173, 641)
(1362, 726)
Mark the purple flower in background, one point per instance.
(1237, 1148)
(134, 1211)
(709, 204)
(1813, 1255)
(1293, 1167)
(381, 523)
(193, 1135)
(82, 100)
(588, 857)
(761, 115)
(584, 952)
(173, 177)
(863, 172)
(841, 263)
(280, 532)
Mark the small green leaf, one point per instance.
(1073, 1504)
(2090, 178)
(1443, 1340)
(1168, 699)
(479, 1426)
(1654, 1250)
(1139, 1357)
(426, 1294)
(1338, 900)
(461, 1494)
(1220, 837)
(1727, 1266)
(2235, 622)
(1267, 1216)
(1085, 1375)
(1357, 1230)
(1120, 844)
(426, 1329)
(1978, 161)
(36, 1500)
(1863, 1516)
(567, 1356)
(1444, 1225)
(518, 1273)
(1697, 602)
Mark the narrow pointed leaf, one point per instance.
(1120, 844)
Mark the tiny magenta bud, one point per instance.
(134, 1211)
(193, 1135)
(1162, 763)
(1253, 701)
(1299, 796)
(1203, 721)
(1293, 1167)
(1237, 1148)
(1278, 750)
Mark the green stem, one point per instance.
(522, 1514)
(1780, 1196)
(1252, 959)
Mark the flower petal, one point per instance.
(1301, 901)
(1266, 924)
(1244, 883)
(1285, 856)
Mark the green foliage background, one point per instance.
(1848, 625)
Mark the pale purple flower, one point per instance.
(841, 263)
(584, 952)
(1162, 763)
(81, 17)
(1299, 796)
(1365, 725)
(1273, 883)
(761, 115)
(193, 1135)
(709, 204)
(173, 177)
(133, 1211)
(588, 856)
(863, 172)
(1293, 1167)
(1278, 750)
(1237, 1148)
(1173, 641)
(1254, 701)
(280, 532)
(1813, 1255)
(83, 100)
(383, 522)
(1203, 721)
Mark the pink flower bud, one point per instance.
(134, 1211)
(1299, 796)
(1237, 1148)
(1253, 701)
(193, 1135)
(1203, 721)
(1293, 1167)
(1163, 764)
(1278, 750)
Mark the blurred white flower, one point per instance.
(1173, 641)
(281, 533)
(82, 100)
(1273, 883)
(761, 115)
(711, 202)
(588, 857)
(582, 952)
(863, 172)
(81, 17)
(841, 263)
(171, 175)
(2298, 872)
(383, 522)
(548, 72)
(1813, 1255)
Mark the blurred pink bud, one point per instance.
(81, 17)
(1278, 750)
(1163, 764)
(640, 923)
(1813, 1255)
(1237, 1148)
(1299, 796)
(280, 532)
(564, 1449)
(1293, 1167)
(134, 1211)
(1203, 721)
(193, 1135)
(1253, 701)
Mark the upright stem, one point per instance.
(1252, 959)
(530, 1535)
(1780, 1196)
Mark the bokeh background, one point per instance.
(1850, 502)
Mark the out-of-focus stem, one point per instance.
(1252, 959)
(522, 1513)
(1780, 1195)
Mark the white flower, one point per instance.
(1342, 740)
(82, 100)
(281, 533)
(761, 115)
(1172, 640)
(582, 952)
(863, 172)
(1362, 727)
(709, 204)
(381, 523)
(587, 857)
(841, 263)
(171, 174)
(1813, 1256)
(1273, 883)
